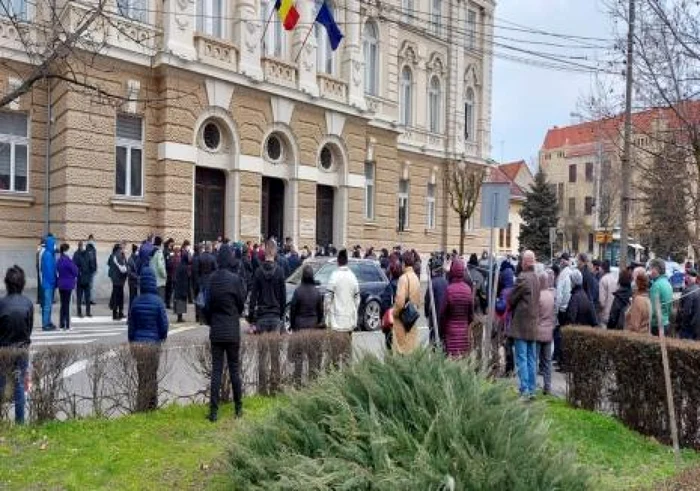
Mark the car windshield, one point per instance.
(295, 277)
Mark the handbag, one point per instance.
(409, 313)
(388, 320)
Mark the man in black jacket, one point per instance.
(267, 306)
(82, 260)
(224, 306)
(690, 308)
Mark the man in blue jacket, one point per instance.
(148, 328)
(48, 281)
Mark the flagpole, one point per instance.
(304, 42)
(269, 17)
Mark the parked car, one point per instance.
(369, 275)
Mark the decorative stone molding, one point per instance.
(471, 77)
(252, 37)
(133, 87)
(408, 53)
(371, 142)
(335, 123)
(217, 52)
(219, 93)
(282, 110)
(123, 203)
(332, 88)
(9, 31)
(17, 200)
(13, 84)
(435, 64)
(280, 72)
(182, 17)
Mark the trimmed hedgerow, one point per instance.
(621, 373)
(416, 422)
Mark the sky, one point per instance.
(528, 100)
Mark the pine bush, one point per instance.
(418, 422)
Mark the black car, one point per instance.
(369, 275)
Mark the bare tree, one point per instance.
(463, 188)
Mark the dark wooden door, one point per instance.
(324, 215)
(209, 204)
(272, 208)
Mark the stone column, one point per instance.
(353, 60)
(247, 33)
(233, 204)
(291, 211)
(307, 57)
(179, 27)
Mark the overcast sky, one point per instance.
(528, 100)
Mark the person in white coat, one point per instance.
(562, 297)
(608, 287)
(343, 297)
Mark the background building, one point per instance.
(196, 120)
(520, 178)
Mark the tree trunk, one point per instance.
(462, 232)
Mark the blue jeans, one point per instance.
(46, 307)
(525, 363)
(544, 352)
(18, 368)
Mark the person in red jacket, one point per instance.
(457, 313)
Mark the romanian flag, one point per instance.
(288, 13)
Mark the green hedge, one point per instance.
(621, 373)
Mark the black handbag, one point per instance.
(409, 313)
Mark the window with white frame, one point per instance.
(129, 162)
(436, 17)
(275, 41)
(406, 101)
(469, 130)
(407, 9)
(404, 191)
(325, 61)
(13, 152)
(471, 29)
(15, 9)
(134, 9)
(434, 104)
(370, 47)
(369, 190)
(430, 207)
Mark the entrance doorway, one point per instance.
(209, 204)
(324, 215)
(272, 209)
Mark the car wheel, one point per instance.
(372, 317)
(287, 320)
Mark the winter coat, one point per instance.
(117, 269)
(690, 311)
(661, 290)
(145, 253)
(92, 256)
(67, 273)
(590, 285)
(457, 313)
(293, 261)
(48, 263)
(405, 342)
(206, 266)
(82, 262)
(564, 289)
(524, 303)
(440, 285)
(608, 287)
(268, 298)
(621, 302)
(157, 264)
(284, 264)
(343, 300)
(16, 321)
(306, 309)
(148, 320)
(580, 311)
(388, 296)
(546, 319)
(226, 295)
(132, 270)
(182, 278)
(638, 316)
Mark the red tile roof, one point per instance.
(497, 175)
(511, 169)
(610, 128)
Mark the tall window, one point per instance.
(133, 9)
(574, 242)
(13, 151)
(403, 204)
(572, 207)
(436, 14)
(560, 195)
(469, 115)
(370, 46)
(591, 241)
(471, 29)
(407, 8)
(209, 14)
(572, 173)
(589, 171)
(369, 190)
(504, 237)
(17, 9)
(406, 101)
(430, 207)
(275, 37)
(129, 171)
(435, 104)
(324, 53)
(589, 204)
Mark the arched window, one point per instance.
(370, 46)
(469, 113)
(434, 104)
(275, 40)
(209, 14)
(406, 100)
(325, 60)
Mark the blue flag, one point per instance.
(325, 18)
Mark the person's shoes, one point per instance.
(213, 417)
(239, 412)
(92, 302)
(48, 328)
(546, 392)
(525, 398)
(89, 314)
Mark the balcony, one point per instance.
(332, 88)
(216, 52)
(425, 140)
(280, 72)
(11, 38)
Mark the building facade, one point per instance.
(227, 125)
(519, 177)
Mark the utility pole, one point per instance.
(626, 155)
(598, 176)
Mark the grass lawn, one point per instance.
(175, 447)
(617, 457)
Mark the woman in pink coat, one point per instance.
(545, 327)
(457, 313)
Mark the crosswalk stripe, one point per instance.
(71, 335)
(62, 341)
(72, 332)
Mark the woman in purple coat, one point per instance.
(67, 276)
(457, 313)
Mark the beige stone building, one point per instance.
(223, 131)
